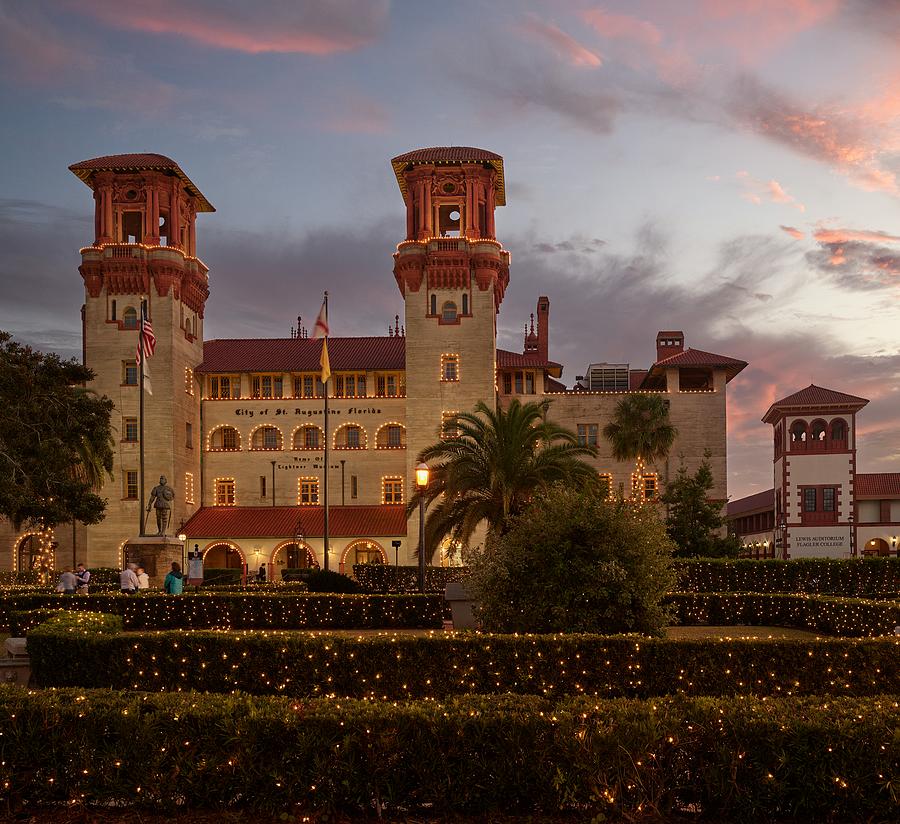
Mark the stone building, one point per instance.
(237, 426)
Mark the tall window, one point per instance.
(308, 385)
(650, 485)
(390, 385)
(828, 499)
(189, 487)
(809, 499)
(349, 436)
(507, 383)
(390, 436)
(129, 373)
(465, 301)
(354, 486)
(224, 386)
(434, 304)
(350, 385)
(131, 484)
(308, 491)
(266, 437)
(587, 434)
(225, 439)
(307, 437)
(448, 312)
(130, 318)
(267, 386)
(392, 490)
(188, 435)
(130, 430)
(352, 437)
(449, 426)
(449, 367)
(519, 382)
(224, 491)
(606, 487)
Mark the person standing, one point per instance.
(174, 583)
(128, 581)
(143, 578)
(83, 576)
(67, 582)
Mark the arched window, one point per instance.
(434, 304)
(448, 312)
(224, 439)
(130, 318)
(266, 437)
(294, 555)
(308, 437)
(350, 436)
(223, 556)
(838, 431)
(817, 431)
(363, 552)
(391, 436)
(798, 435)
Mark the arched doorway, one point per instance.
(223, 556)
(362, 552)
(450, 553)
(876, 546)
(292, 555)
(31, 553)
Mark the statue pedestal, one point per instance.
(155, 554)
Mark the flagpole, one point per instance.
(142, 521)
(325, 473)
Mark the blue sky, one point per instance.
(726, 167)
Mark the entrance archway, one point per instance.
(30, 553)
(292, 555)
(876, 546)
(363, 552)
(223, 556)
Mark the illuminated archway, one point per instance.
(293, 555)
(223, 555)
(363, 552)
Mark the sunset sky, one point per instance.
(730, 168)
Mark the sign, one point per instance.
(811, 542)
(195, 569)
(304, 413)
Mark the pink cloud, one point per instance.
(317, 27)
(563, 44)
(845, 235)
(795, 233)
(756, 191)
(623, 27)
(357, 115)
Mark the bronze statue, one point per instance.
(161, 498)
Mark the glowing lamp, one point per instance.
(182, 537)
(422, 475)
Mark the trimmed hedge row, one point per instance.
(850, 577)
(436, 666)
(223, 610)
(850, 617)
(383, 578)
(737, 760)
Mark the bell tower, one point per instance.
(144, 254)
(452, 273)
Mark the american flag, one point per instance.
(146, 340)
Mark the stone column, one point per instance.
(429, 230)
(490, 230)
(175, 215)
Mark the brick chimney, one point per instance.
(668, 344)
(543, 326)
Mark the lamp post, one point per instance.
(852, 536)
(273, 482)
(183, 538)
(783, 526)
(422, 484)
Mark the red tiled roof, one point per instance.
(519, 360)
(551, 385)
(138, 162)
(302, 354)
(752, 503)
(877, 485)
(815, 396)
(697, 357)
(670, 333)
(282, 521)
(636, 378)
(451, 154)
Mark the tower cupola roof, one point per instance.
(451, 156)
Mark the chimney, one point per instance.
(668, 344)
(543, 326)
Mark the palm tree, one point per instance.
(640, 429)
(489, 471)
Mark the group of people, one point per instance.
(71, 582)
(133, 578)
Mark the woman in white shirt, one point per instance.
(143, 579)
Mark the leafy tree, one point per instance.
(56, 444)
(694, 522)
(640, 428)
(494, 467)
(572, 562)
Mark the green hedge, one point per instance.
(445, 664)
(742, 760)
(850, 577)
(851, 617)
(154, 610)
(385, 578)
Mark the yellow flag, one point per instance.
(326, 366)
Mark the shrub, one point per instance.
(395, 667)
(831, 616)
(222, 575)
(852, 577)
(154, 610)
(384, 578)
(575, 563)
(325, 580)
(741, 760)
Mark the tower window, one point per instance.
(112, 310)
(448, 312)
(308, 492)
(433, 304)
(465, 304)
(449, 367)
(129, 318)
(587, 434)
(132, 227)
(449, 219)
(131, 430)
(131, 484)
(224, 491)
(129, 373)
(392, 490)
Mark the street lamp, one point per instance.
(852, 536)
(783, 525)
(422, 484)
(183, 538)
